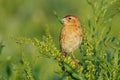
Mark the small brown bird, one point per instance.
(71, 35)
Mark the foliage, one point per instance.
(1, 47)
(99, 57)
(99, 52)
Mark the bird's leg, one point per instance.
(63, 54)
(74, 59)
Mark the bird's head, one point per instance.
(70, 20)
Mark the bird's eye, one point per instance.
(69, 18)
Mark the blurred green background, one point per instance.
(31, 18)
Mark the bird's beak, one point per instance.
(62, 21)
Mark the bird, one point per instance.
(71, 35)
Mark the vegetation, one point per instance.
(99, 53)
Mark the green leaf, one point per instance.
(1, 47)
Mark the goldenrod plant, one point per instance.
(99, 53)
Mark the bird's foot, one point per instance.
(75, 62)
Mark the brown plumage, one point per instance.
(71, 34)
